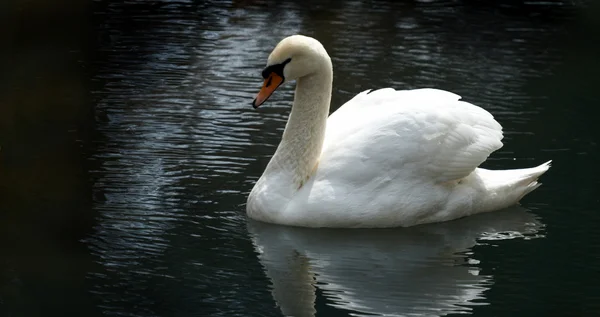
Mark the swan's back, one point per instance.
(427, 132)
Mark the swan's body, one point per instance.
(386, 158)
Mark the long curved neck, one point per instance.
(302, 141)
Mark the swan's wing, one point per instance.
(426, 133)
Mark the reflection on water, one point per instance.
(176, 148)
(179, 148)
(419, 271)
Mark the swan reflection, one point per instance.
(417, 271)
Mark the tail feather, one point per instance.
(507, 187)
(531, 176)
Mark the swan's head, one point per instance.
(294, 57)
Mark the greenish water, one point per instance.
(129, 145)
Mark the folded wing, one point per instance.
(425, 134)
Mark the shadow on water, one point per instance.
(136, 208)
(425, 270)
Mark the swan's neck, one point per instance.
(300, 148)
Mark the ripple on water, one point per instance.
(180, 145)
(179, 125)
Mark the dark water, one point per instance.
(128, 146)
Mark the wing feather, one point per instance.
(427, 134)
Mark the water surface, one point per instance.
(176, 147)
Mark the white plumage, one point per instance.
(430, 131)
(386, 158)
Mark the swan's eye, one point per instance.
(275, 68)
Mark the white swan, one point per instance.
(386, 158)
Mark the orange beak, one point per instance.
(269, 86)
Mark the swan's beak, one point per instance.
(269, 86)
